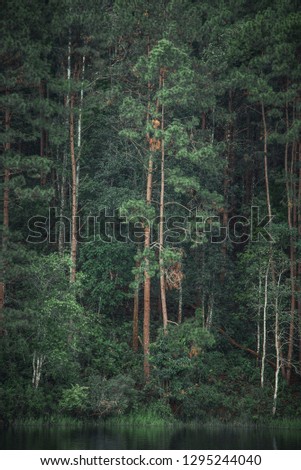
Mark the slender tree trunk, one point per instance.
(227, 181)
(147, 234)
(74, 194)
(210, 312)
(136, 320)
(299, 262)
(268, 199)
(180, 307)
(264, 339)
(161, 223)
(146, 312)
(136, 313)
(259, 315)
(292, 225)
(277, 347)
(42, 130)
(62, 192)
(37, 364)
(147, 279)
(79, 127)
(265, 150)
(62, 234)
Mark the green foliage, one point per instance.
(177, 357)
(109, 397)
(219, 73)
(110, 264)
(74, 400)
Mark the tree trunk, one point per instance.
(42, 130)
(136, 313)
(292, 224)
(180, 307)
(37, 364)
(74, 194)
(243, 348)
(258, 313)
(62, 232)
(266, 177)
(161, 221)
(227, 181)
(264, 339)
(147, 279)
(265, 150)
(79, 126)
(299, 262)
(277, 347)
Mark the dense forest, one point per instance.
(150, 209)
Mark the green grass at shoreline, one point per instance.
(150, 419)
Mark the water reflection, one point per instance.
(152, 437)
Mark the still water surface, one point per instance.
(152, 437)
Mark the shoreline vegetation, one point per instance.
(151, 420)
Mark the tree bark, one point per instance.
(264, 338)
(147, 279)
(136, 313)
(292, 224)
(42, 130)
(161, 222)
(277, 347)
(62, 233)
(258, 313)
(227, 181)
(37, 364)
(265, 150)
(180, 307)
(74, 194)
(79, 126)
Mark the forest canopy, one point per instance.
(150, 209)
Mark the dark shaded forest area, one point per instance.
(151, 209)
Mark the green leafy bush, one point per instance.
(74, 400)
(113, 396)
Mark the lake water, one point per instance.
(152, 437)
